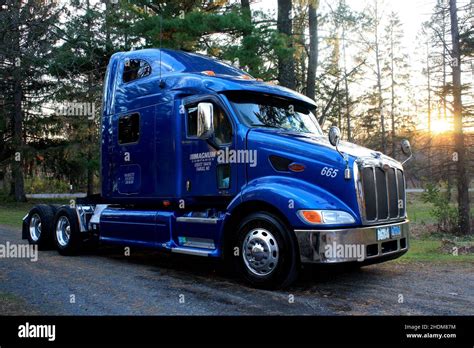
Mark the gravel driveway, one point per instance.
(148, 283)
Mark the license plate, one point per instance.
(396, 231)
(383, 233)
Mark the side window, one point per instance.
(222, 125)
(129, 128)
(135, 69)
(191, 113)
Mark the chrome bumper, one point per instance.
(343, 245)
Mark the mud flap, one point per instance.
(24, 227)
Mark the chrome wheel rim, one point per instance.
(260, 252)
(35, 227)
(63, 231)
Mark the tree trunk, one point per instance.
(18, 144)
(339, 109)
(379, 80)
(91, 125)
(428, 75)
(445, 109)
(346, 85)
(463, 179)
(392, 90)
(286, 65)
(90, 176)
(245, 4)
(17, 169)
(108, 40)
(313, 49)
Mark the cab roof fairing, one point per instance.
(173, 61)
(183, 71)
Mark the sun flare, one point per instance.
(440, 125)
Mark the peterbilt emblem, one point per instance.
(385, 167)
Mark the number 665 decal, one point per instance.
(329, 172)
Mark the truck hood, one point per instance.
(309, 141)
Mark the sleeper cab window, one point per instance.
(135, 69)
(222, 125)
(129, 128)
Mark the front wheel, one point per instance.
(266, 253)
(66, 234)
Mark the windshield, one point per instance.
(273, 112)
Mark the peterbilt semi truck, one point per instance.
(200, 158)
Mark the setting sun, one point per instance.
(440, 125)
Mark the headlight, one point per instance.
(326, 217)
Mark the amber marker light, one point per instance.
(246, 77)
(327, 217)
(209, 73)
(296, 167)
(311, 216)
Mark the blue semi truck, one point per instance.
(199, 158)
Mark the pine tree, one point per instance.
(395, 71)
(79, 68)
(346, 24)
(462, 163)
(27, 32)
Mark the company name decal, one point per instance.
(202, 161)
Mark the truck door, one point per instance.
(208, 174)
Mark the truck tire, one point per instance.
(40, 226)
(66, 235)
(268, 256)
(54, 207)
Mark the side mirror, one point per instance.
(334, 136)
(205, 120)
(406, 149)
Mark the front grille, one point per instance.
(383, 193)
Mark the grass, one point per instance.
(429, 250)
(419, 211)
(12, 213)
